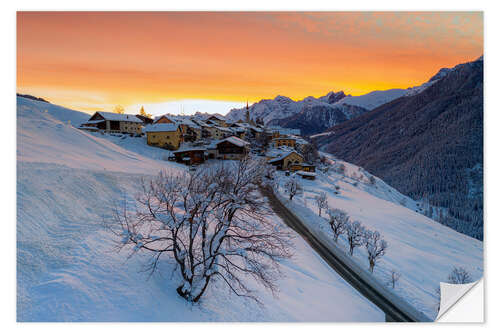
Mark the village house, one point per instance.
(288, 161)
(166, 135)
(284, 141)
(232, 148)
(113, 123)
(240, 132)
(282, 131)
(205, 128)
(300, 144)
(145, 120)
(218, 133)
(249, 129)
(190, 155)
(217, 120)
(308, 167)
(211, 150)
(190, 130)
(164, 120)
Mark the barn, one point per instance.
(190, 156)
(113, 123)
(232, 148)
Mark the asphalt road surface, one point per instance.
(392, 312)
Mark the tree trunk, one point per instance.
(182, 293)
(197, 298)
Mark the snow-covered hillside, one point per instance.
(60, 113)
(67, 269)
(422, 250)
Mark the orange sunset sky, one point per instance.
(95, 60)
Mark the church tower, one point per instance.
(248, 115)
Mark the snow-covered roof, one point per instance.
(161, 127)
(284, 138)
(184, 121)
(275, 152)
(301, 141)
(237, 129)
(169, 117)
(119, 117)
(279, 158)
(235, 141)
(201, 122)
(186, 149)
(256, 129)
(223, 129)
(306, 173)
(94, 121)
(216, 116)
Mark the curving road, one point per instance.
(392, 312)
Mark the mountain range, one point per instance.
(428, 145)
(313, 115)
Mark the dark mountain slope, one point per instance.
(314, 119)
(429, 145)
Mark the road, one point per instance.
(392, 312)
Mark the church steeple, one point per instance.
(248, 115)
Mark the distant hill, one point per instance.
(32, 97)
(427, 145)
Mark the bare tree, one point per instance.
(321, 202)
(394, 278)
(292, 187)
(459, 275)
(213, 224)
(375, 247)
(354, 232)
(341, 169)
(310, 153)
(338, 222)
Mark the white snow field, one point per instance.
(68, 269)
(423, 251)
